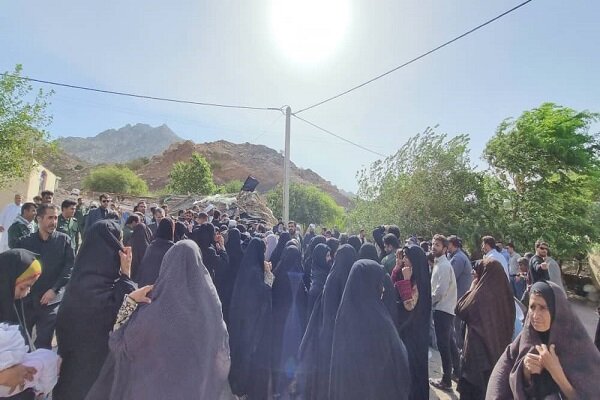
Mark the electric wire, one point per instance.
(416, 58)
(142, 96)
(338, 136)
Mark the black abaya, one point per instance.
(235, 254)
(318, 274)
(368, 251)
(12, 264)
(308, 373)
(140, 240)
(89, 309)
(250, 328)
(332, 296)
(369, 360)
(414, 325)
(307, 261)
(289, 318)
(284, 237)
(150, 265)
(216, 262)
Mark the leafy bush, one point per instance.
(115, 179)
(194, 177)
(233, 186)
(308, 204)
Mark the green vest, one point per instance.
(70, 228)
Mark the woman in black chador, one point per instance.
(289, 319)
(251, 324)
(89, 309)
(368, 359)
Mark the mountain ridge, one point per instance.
(229, 161)
(133, 141)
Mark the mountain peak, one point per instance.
(121, 145)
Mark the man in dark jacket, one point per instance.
(23, 224)
(538, 268)
(56, 256)
(98, 213)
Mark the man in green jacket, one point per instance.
(23, 224)
(80, 213)
(68, 224)
(390, 245)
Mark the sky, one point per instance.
(271, 53)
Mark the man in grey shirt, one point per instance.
(461, 265)
(463, 274)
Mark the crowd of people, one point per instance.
(143, 304)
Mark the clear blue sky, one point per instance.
(230, 52)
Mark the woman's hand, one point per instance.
(548, 358)
(219, 241)
(268, 267)
(533, 363)
(475, 282)
(126, 257)
(16, 376)
(407, 273)
(141, 295)
(551, 363)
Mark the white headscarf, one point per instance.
(271, 244)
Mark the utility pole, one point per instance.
(286, 167)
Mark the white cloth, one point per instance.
(443, 286)
(13, 351)
(494, 254)
(12, 346)
(271, 240)
(7, 217)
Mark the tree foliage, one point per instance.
(427, 187)
(194, 177)
(22, 121)
(308, 204)
(136, 164)
(548, 168)
(543, 182)
(233, 186)
(115, 179)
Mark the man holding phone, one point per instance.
(538, 267)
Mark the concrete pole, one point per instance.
(286, 167)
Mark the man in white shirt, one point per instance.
(488, 247)
(7, 217)
(443, 301)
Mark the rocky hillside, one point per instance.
(120, 145)
(231, 161)
(69, 168)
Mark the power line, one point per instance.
(141, 96)
(338, 136)
(416, 58)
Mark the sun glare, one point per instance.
(309, 30)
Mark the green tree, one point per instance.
(136, 164)
(114, 179)
(193, 177)
(233, 186)
(427, 187)
(22, 123)
(548, 165)
(308, 204)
